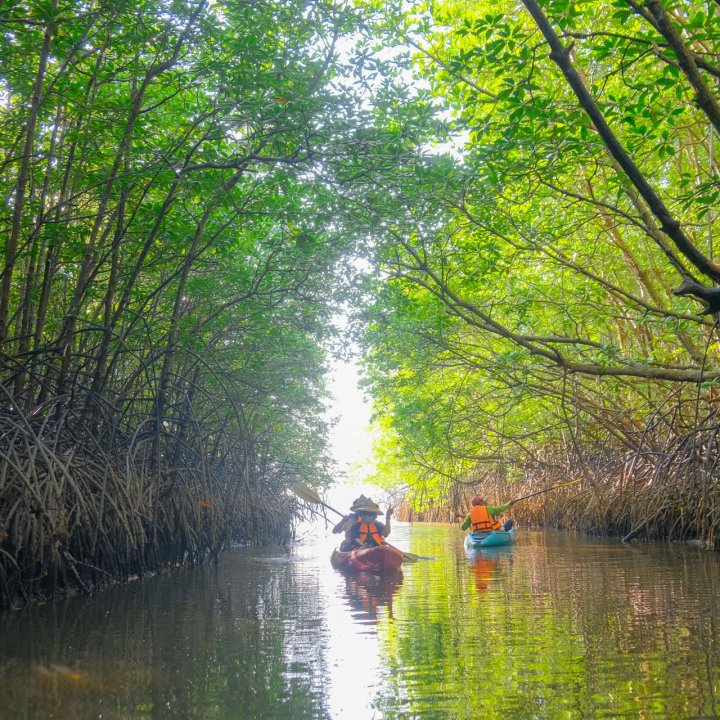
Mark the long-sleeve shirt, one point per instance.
(493, 510)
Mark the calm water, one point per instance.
(554, 627)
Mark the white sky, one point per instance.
(350, 439)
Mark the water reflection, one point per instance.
(556, 626)
(367, 593)
(561, 627)
(484, 563)
(243, 640)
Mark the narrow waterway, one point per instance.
(556, 626)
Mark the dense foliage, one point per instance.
(170, 273)
(549, 293)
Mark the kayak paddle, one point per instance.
(539, 492)
(309, 495)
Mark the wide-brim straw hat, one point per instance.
(365, 504)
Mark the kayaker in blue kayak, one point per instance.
(482, 517)
(360, 526)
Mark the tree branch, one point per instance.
(668, 224)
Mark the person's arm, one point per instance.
(466, 523)
(498, 509)
(343, 524)
(355, 535)
(388, 515)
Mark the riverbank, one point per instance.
(673, 496)
(79, 513)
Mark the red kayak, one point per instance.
(378, 559)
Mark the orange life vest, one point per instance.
(369, 529)
(481, 520)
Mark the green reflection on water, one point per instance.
(200, 644)
(554, 627)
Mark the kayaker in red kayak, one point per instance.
(346, 523)
(482, 517)
(361, 527)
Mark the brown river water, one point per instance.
(556, 626)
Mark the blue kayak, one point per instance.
(490, 539)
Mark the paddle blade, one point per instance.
(411, 557)
(306, 493)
